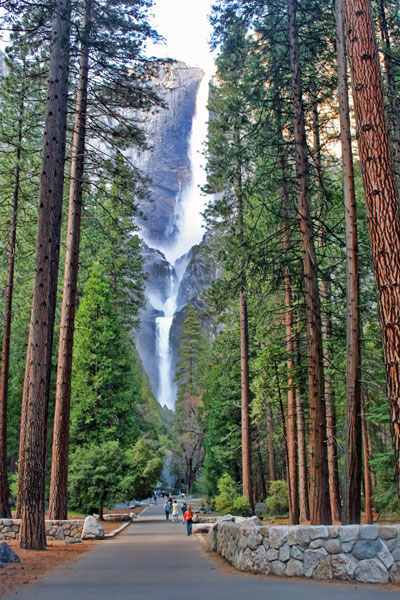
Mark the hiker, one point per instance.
(155, 497)
(175, 509)
(188, 519)
(184, 509)
(167, 509)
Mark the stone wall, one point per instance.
(366, 553)
(69, 531)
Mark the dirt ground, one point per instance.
(34, 563)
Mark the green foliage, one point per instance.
(228, 500)
(277, 502)
(95, 476)
(143, 470)
(104, 387)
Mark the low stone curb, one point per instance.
(118, 530)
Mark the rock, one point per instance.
(323, 570)
(260, 562)
(202, 527)
(299, 536)
(387, 532)
(371, 571)
(284, 552)
(364, 549)
(278, 568)
(248, 520)
(211, 541)
(254, 539)
(319, 531)
(59, 534)
(296, 552)
(385, 556)
(334, 531)
(266, 543)
(278, 535)
(294, 568)
(272, 554)
(396, 554)
(333, 546)
(348, 546)
(317, 544)
(312, 558)
(225, 519)
(395, 573)
(92, 529)
(133, 515)
(369, 532)
(349, 533)
(7, 555)
(343, 566)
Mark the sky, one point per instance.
(185, 25)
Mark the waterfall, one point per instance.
(190, 204)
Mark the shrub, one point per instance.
(228, 499)
(277, 502)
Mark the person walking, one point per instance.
(188, 519)
(184, 509)
(175, 508)
(167, 509)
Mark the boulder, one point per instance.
(299, 536)
(294, 568)
(371, 571)
(343, 566)
(365, 549)
(319, 531)
(278, 568)
(323, 570)
(333, 546)
(248, 520)
(284, 552)
(92, 529)
(7, 555)
(312, 558)
(349, 533)
(297, 552)
(211, 541)
(202, 527)
(395, 573)
(278, 535)
(369, 532)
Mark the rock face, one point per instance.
(167, 161)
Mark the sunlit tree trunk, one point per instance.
(59, 466)
(353, 462)
(37, 382)
(319, 500)
(380, 193)
(367, 478)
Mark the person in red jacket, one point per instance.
(188, 519)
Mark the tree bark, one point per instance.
(5, 511)
(319, 501)
(270, 443)
(58, 498)
(367, 478)
(302, 458)
(380, 194)
(37, 383)
(394, 101)
(245, 394)
(353, 462)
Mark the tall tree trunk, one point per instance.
(58, 498)
(325, 281)
(245, 394)
(380, 194)
(37, 385)
(319, 482)
(367, 479)
(394, 101)
(270, 442)
(291, 433)
(353, 461)
(302, 458)
(5, 510)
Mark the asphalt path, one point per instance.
(156, 560)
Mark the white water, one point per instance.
(189, 222)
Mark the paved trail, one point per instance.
(155, 560)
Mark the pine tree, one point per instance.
(104, 391)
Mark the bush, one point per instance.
(278, 502)
(228, 499)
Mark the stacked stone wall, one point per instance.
(366, 553)
(69, 531)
